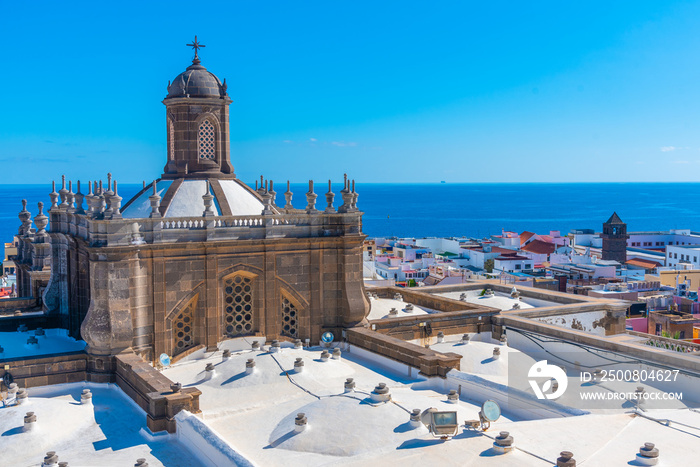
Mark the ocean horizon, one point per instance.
(464, 209)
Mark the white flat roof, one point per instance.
(379, 308)
(255, 414)
(110, 432)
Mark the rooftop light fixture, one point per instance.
(327, 338)
(490, 412)
(442, 424)
(164, 360)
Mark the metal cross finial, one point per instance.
(195, 45)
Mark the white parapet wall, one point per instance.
(206, 444)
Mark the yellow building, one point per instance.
(679, 276)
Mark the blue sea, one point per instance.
(469, 209)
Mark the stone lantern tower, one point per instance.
(197, 124)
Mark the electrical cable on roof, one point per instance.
(594, 351)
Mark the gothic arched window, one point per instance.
(238, 305)
(289, 318)
(183, 327)
(206, 140)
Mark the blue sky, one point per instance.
(386, 91)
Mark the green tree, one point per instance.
(488, 265)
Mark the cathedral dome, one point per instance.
(183, 198)
(196, 81)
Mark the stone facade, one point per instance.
(145, 279)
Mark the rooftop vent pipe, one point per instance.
(86, 397)
(51, 460)
(463, 297)
(453, 397)
(336, 353)
(349, 385)
(255, 345)
(504, 339)
(298, 365)
(39, 332)
(29, 422)
(226, 355)
(33, 342)
(415, 421)
(496, 353)
(440, 337)
(503, 443)
(393, 312)
(275, 347)
(465, 338)
(566, 459)
(298, 344)
(249, 366)
(639, 394)
(22, 396)
(22, 328)
(648, 454)
(300, 422)
(209, 371)
(325, 356)
(141, 463)
(175, 387)
(380, 393)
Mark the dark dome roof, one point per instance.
(196, 81)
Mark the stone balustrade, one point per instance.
(124, 231)
(666, 343)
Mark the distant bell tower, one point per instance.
(615, 239)
(197, 124)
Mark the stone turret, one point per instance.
(615, 239)
(197, 121)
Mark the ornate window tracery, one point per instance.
(289, 319)
(206, 140)
(183, 328)
(238, 305)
